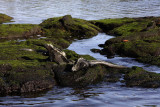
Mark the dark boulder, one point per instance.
(95, 50)
(83, 77)
(141, 78)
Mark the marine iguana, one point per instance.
(59, 57)
(83, 63)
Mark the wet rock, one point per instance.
(80, 78)
(36, 86)
(67, 20)
(109, 51)
(5, 18)
(95, 50)
(68, 28)
(23, 69)
(101, 45)
(19, 31)
(135, 37)
(139, 77)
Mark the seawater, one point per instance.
(35, 11)
(103, 94)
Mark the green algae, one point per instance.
(71, 55)
(142, 35)
(139, 77)
(119, 21)
(68, 28)
(109, 24)
(21, 54)
(19, 30)
(128, 29)
(5, 18)
(24, 68)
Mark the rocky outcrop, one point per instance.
(135, 37)
(141, 78)
(86, 76)
(69, 28)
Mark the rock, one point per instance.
(67, 20)
(5, 18)
(19, 31)
(101, 45)
(83, 77)
(95, 50)
(109, 51)
(134, 37)
(68, 28)
(23, 69)
(36, 86)
(139, 77)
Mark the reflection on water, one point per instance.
(34, 11)
(101, 95)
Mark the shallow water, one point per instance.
(84, 46)
(34, 11)
(102, 94)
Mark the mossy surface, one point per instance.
(13, 31)
(139, 77)
(5, 18)
(109, 24)
(68, 28)
(138, 38)
(24, 68)
(71, 55)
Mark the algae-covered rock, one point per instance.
(25, 79)
(19, 31)
(109, 24)
(24, 67)
(68, 28)
(80, 78)
(71, 55)
(135, 37)
(5, 18)
(139, 77)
